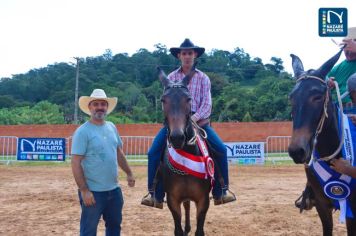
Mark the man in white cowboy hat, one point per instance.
(96, 155)
(341, 165)
(350, 108)
(201, 105)
(346, 68)
(340, 73)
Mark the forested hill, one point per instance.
(243, 88)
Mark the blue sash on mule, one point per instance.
(338, 187)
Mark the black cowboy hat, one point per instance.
(187, 44)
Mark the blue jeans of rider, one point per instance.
(107, 204)
(158, 146)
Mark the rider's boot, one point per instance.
(226, 197)
(149, 200)
(306, 201)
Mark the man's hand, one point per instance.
(331, 82)
(131, 180)
(194, 118)
(88, 197)
(344, 167)
(353, 118)
(350, 45)
(340, 165)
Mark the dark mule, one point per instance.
(315, 126)
(182, 188)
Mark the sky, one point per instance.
(36, 33)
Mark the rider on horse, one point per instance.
(199, 88)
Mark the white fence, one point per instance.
(277, 148)
(8, 148)
(136, 148)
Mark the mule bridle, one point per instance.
(196, 127)
(323, 118)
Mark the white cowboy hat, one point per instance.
(97, 94)
(351, 33)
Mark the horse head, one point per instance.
(176, 105)
(311, 103)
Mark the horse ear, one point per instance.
(163, 77)
(297, 66)
(188, 77)
(327, 66)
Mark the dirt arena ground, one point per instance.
(42, 200)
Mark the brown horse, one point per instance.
(315, 127)
(180, 187)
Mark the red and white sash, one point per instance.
(198, 166)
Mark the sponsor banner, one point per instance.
(41, 149)
(246, 153)
(332, 22)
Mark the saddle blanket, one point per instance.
(338, 187)
(198, 166)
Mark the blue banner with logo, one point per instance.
(332, 22)
(245, 153)
(41, 149)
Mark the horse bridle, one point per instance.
(323, 117)
(188, 117)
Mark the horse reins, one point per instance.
(325, 116)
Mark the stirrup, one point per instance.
(225, 198)
(305, 200)
(150, 201)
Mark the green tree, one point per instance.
(247, 117)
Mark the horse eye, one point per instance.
(189, 99)
(317, 98)
(162, 100)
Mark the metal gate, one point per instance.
(8, 148)
(134, 147)
(277, 148)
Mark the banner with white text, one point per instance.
(246, 153)
(41, 149)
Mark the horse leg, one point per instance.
(202, 209)
(174, 207)
(187, 227)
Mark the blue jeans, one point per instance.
(159, 145)
(107, 203)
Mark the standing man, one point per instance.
(346, 68)
(350, 108)
(340, 73)
(341, 165)
(199, 88)
(96, 154)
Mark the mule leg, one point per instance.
(187, 226)
(202, 209)
(174, 207)
(323, 205)
(351, 223)
(351, 226)
(325, 215)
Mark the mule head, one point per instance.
(308, 99)
(176, 105)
